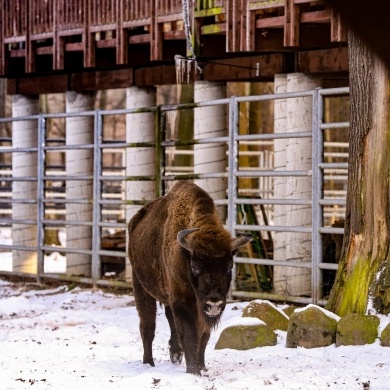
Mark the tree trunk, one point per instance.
(363, 278)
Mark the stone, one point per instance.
(385, 336)
(289, 310)
(268, 313)
(357, 329)
(310, 328)
(244, 337)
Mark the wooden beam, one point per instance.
(253, 68)
(155, 75)
(37, 85)
(93, 81)
(323, 61)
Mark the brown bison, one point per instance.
(182, 257)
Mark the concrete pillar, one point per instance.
(280, 147)
(140, 127)
(24, 164)
(79, 162)
(210, 122)
(289, 280)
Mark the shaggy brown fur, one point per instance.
(191, 278)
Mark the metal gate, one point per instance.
(107, 202)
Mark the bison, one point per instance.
(182, 257)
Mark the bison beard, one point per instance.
(182, 257)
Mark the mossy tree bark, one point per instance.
(363, 278)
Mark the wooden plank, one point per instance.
(245, 68)
(38, 85)
(274, 22)
(338, 32)
(323, 61)
(316, 16)
(93, 81)
(291, 28)
(155, 75)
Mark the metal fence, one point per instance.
(109, 201)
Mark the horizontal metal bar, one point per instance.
(66, 250)
(67, 178)
(329, 266)
(269, 173)
(333, 202)
(56, 222)
(270, 297)
(193, 176)
(263, 201)
(7, 149)
(263, 228)
(18, 201)
(334, 91)
(331, 230)
(113, 224)
(18, 221)
(333, 165)
(67, 147)
(12, 247)
(334, 125)
(250, 260)
(113, 253)
(21, 179)
(259, 137)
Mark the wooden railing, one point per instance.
(56, 27)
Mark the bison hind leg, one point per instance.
(175, 349)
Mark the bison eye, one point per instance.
(195, 269)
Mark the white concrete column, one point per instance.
(210, 122)
(79, 162)
(297, 281)
(280, 211)
(24, 164)
(140, 127)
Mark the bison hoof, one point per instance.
(194, 371)
(149, 361)
(176, 357)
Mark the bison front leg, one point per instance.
(146, 307)
(186, 323)
(175, 349)
(202, 348)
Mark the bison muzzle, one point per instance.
(181, 256)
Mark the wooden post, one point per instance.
(24, 164)
(140, 161)
(210, 122)
(79, 162)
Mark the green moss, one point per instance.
(356, 288)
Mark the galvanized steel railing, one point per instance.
(233, 173)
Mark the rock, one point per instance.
(357, 329)
(310, 328)
(289, 310)
(243, 337)
(268, 313)
(385, 336)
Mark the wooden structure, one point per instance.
(97, 44)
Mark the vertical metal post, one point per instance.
(159, 152)
(232, 169)
(317, 190)
(96, 215)
(40, 196)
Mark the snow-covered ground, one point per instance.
(83, 339)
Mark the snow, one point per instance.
(84, 339)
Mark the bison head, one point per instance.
(210, 261)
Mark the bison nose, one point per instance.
(213, 308)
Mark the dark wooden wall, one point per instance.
(94, 44)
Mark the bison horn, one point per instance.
(181, 238)
(241, 240)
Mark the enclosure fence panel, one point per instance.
(247, 208)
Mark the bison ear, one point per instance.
(181, 238)
(241, 240)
